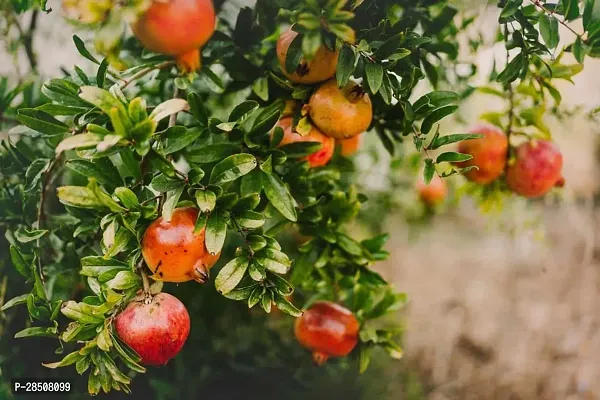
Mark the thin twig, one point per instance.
(539, 4)
(144, 72)
(511, 109)
(28, 41)
(41, 215)
(172, 122)
(244, 235)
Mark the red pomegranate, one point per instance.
(536, 168)
(320, 157)
(156, 331)
(489, 154)
(328, 330)
(177, 28)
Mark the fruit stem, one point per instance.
(319, 358)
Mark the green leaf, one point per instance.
(428, 171)
(168, 108)
(570, 9)
(231, 274)
(103, 197)
(41, 121)
(434, 100)
(274, 260)
(81, 141)
(80, 313)
(252, 183)
(216, 231)
(34, 173)
(452, 156)
(374, 74)
(92, 170)
(197, 108)
(284, 305)
(162, 183)
(36, 331)
(578, 51)
(512, 70)
(279, 196)
(83, 50)
(22, 299)
(436, 116)
(101, 74)
(510, 9)
(178, 138)
(250, 219)
(19, 261)
(241, 293)
(448, 139)
(549, 30)
(232, 168)
(300, 149)
(171, 202)
(365, 358)
(345, 67)
(264, 124)
(124, 280)
(211, 153)
(25, 236)
(69, 359)
(206, 200)
(95, 266)
(294, 55)
(242, 111)
(260, 87)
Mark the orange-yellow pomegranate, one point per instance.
(536, 168)
(434, 193)
(173, 252)
(177, 28)
(340, 113)
(319, 69)
(350, 146)
(328, 330)
(489, 154)
(320, 157)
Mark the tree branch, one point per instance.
(541, 6)
(144, 72)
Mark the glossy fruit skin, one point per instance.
(328, 330)
(537, 168)
(489, 154)
(317, 159)
(156, 331)
(433, 194)
(350, 146)
(177, 28)
(340, 113)
(87, 11)
(173, 252)
(319, 69)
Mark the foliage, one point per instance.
(93, 159)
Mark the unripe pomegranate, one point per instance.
(350, 146)
(318, 158)
(177, 28)
(434, 193)
(328, 330)
(156, 331)
(536, 168)
(173, 252)
(319, 69)
(87, 11)
(340, 113)
(489, 154)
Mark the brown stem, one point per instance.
(539, 4)
(172, 122)
(244, 235)
(28, 41)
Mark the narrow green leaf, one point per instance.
(279, 196)
(41, 121)
(216, 231)
(374, 74)
(452, 156)
(231, 274)
(232, 168)
(436, 116)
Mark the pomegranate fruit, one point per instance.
(156, 331)
(87, 11)
(177, 28)
(536, 168)
(350, 146)
(173, 252)
(318, 158)
(489, 154)
(328, 330)
(340, 113)
(319, 69)
(434, 193)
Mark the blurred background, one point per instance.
(502, 304)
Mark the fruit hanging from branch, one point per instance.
(317, 159)
(350, 146)
(340, 113)
(328, 330)
(156, 330)
(489, 154)
(318, 69)
(177, 28)
(433, 193)
(174, 251)
(536, 169)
